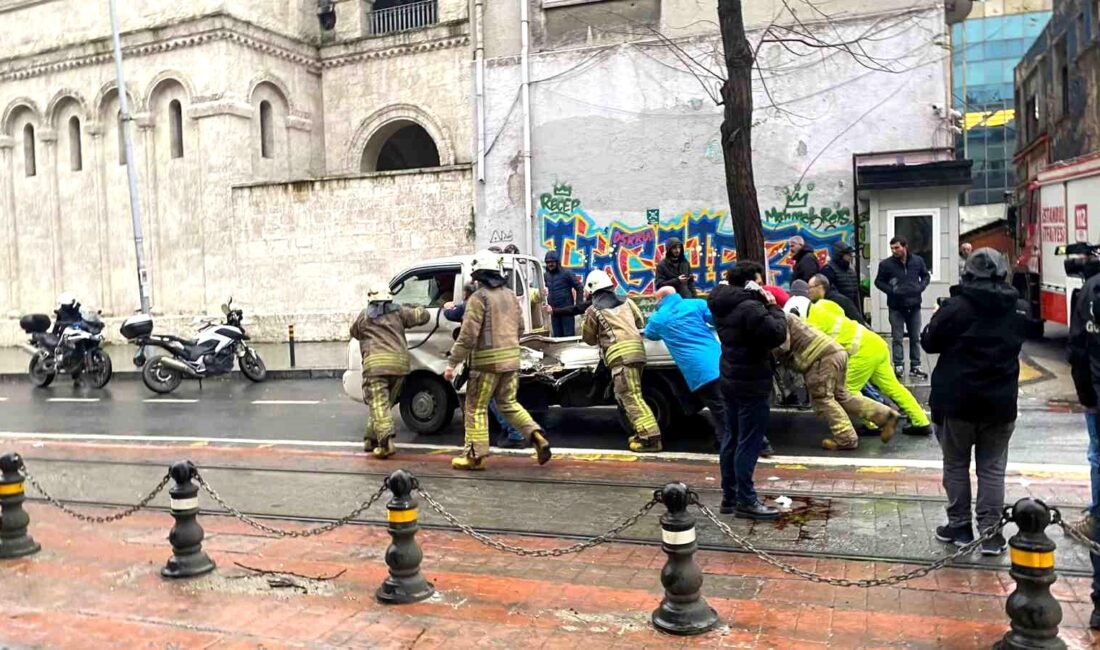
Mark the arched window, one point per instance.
(267, 135)
(400, 145)
(29, 165)
(175, 127)
(121, 140)
(76, 154)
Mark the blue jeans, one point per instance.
(747, 420)
(1094, 462)
(563, 326)
(513, 434)
(900, 321)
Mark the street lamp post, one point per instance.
(124, 123)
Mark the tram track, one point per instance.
(534, 531)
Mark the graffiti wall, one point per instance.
(630, 248)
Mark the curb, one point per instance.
(277, 375)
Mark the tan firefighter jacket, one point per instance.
(617, 331)
(382, 340)
(491, 327)
(805, 344)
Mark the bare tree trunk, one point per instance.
(737, 133)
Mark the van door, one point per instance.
(430, 287)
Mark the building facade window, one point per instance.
(76, 153)
(1061, 77)
(267, 135)
(391, 16)
(30, 164)
(175, 127)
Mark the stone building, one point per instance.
(287, 166)
(291, 162)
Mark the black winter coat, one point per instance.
(842, 279)
(560, 285)
(903, 282)
(670, 269)
(1084, 342)
(749, 328)
(805, 265)
(978, 333)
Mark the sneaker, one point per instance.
(1084, 526)
(509, 442)
(645, 445)
(957, 535)
(767, 451)
(756, 510)
(995, 545)
(542, 447)
(916, 373)
(926, 430)
(385, 449)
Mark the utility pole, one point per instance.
(124, 123)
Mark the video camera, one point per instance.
(1082, 260)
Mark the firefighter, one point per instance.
(615, 325)
(824, 365)
(380, 330)
(868, 361)
(489, 341)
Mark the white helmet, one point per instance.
(799, 305)
(379, 293)
(487, 260)
(66, 300)
(597, 280)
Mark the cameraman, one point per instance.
(978, 333)
(1084, 359)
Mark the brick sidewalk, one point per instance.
(99, 586)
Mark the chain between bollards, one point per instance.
(105, 519)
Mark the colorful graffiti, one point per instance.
(630, 253)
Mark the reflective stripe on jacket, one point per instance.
(617, 331)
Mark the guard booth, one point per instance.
(913, 194)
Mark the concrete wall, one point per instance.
(626, 149)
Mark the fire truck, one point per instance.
(1065, 209)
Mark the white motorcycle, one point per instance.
(76, 351)
(210, 354)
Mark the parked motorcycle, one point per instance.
(210, 354)
(76, 351)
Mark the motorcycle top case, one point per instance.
(137, 326)
(35, 323)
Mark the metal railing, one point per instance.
(403, 18)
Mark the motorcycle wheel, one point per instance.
(40, 376)
(252, 366)
(98, 368)
(158, 378)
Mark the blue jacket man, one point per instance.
(563, 291)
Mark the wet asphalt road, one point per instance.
(318, 410)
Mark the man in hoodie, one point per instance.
(841, 272)
(749, 325)
(674, 270)
(564, 291)
(489, 342)
(380, 330)
(614, 324)
(903, 278)
(804, 258)
(978, 333)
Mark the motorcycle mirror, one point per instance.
(225, 309)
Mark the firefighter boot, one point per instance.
(542, 447)
(832, 444)
(645, 445)
(890, 427)
(385, 448)
(369, 445)
(469, 460)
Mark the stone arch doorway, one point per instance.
(400, 144)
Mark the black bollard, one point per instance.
(683, 611)
(1032, 610)
(188, 558)
(405, 584)
(290, 334)
(14, 540)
